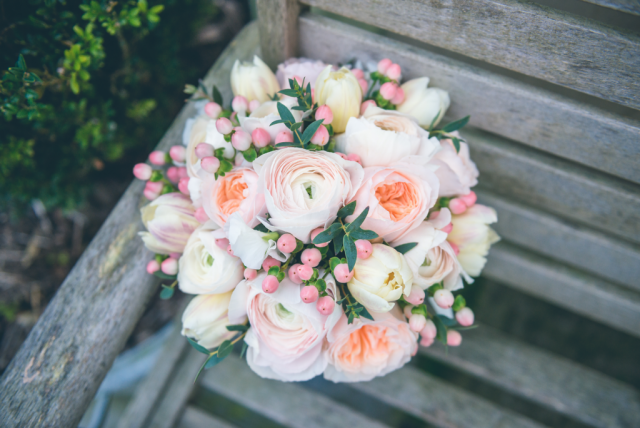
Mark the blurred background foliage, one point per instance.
(87, 89)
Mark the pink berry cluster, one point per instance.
(159, 181)
(389, 94)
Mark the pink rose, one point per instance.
(398, 196)
(360, 351)
(304, 190)
(457, 172)
(237, 191)
(307, 69)
(286, 335)
(170, 221)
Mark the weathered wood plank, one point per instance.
(585, 249)
(196, 418)
(525, 37)
(553, 185)
(285, 403)
(627, 6)
(582, 293)
(520, 112)
(58, 369)
(535, 375)
(278, 21)
(438, 403)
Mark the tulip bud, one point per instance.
(204, 150)
(177, 153)
(293, 274)
(254, 105)
(321, 136)
(287, 243)
(422, 103)
(269, 262)
(241, 140)
(388, 90)
(284, 137)
(224, 126)
(201, 215)
(384, 65)
(399, 97)
(324, 112)
(364, 248)
(444, 298)
(260, 137)
(417, 322)
(416, 296)
(239, 104)
(270, 284)
(429, 330)
(157, 158)
(465, 317)
(212, 110)
(305, 272)
(183, 185)
(311, 257)
(142, 171)
(309, 294)
(254, 81)
(342, 273)
(169, 266)
(454, 338)
(457, 206)
(325, 305)
(152, 267)
(365, 105)
(340, 91)
(394, 72)
(469, 199)
(358, 73)
(210, 164)
(250, 274)
(315, 232)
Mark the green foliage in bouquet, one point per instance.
(86, 85)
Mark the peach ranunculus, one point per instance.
(266, 114)
(169, 220)
(365, 349)
(473, 236)
(305, 68)
(382, 137)
(399, 197)
(457, 172)
(237, 191)
(286, 335)
(303, 189)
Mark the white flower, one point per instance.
(474, 237)
(267, 113)
(205, 320)
(307, 69)
(422, 103)
(205, 268)
(382, 137)
(456, 171)
(341, 91)
(169, 220)
(251, 246)
(254, 81)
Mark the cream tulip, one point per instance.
(422, 103)
(254, 81)
(341, 91)
(473, 236)
(205, 320)
(170, 221)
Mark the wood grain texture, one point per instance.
(535, 375)
(438, 403)
(585, 249)
(577, 291)
(283, 402)
(525, 37)
(278, 21)
(627, 6)
(58, 369)
(196, 418)
(503, 106)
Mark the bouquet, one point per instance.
(323, 220)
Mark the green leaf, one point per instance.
(289, 93)
(455, 125)
(157, 9)
(273, 270)
(365, 313)
(261, 228)
(21, 64)
(326, 235)
(285, 114)
(456, 144)
(337, 241)
(244, 349)
(321, 285)
(295, 126)
(276, 122)
(350, 319)
(449, 322)
(405, 248)
(166, 293)
(299, 247)
(363, 234)
(225, 166)
(287, 144)
(225, 349)
(347, 210)
(459, 303)
(310, 130)
(163, 275)
(441, 329)
(333, 262)
(217, 96)
(350, 251)
(198, 348)
(355, 224)
(250, 154)
(238, 327)
(212, 361)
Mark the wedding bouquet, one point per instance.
(324, 220)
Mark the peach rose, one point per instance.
(398, 196)
(457, 172)
(360, 351)
(237, 191)
(473, 236)
(303, 189)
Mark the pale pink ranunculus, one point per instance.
(305, 68)
(287, 335)
(303, 189)
(266, 114)
(382, 137)
(169, 221)
(456, 171)
(398, 196)
(473, 236)
(365, 349)
(237, 191)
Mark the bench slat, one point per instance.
(585, 249)
(196, 418)
(535, 375)
(582, 293)
(628, 6)
(503, 106)
(531, 39)
(285, 403)
(278, 29)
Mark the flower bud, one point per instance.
(454, 338)
(157, 158)
(311, 257)
(284, 137)
(469, 199)
(305, 272)
(230, 250)
(250, 274)
(315, 232)
(293, 274)
(204, 150)
(169, 266)
(384, 65)
(241, 140)
(444, 298)
(429, 330)
(321, 136)
(173, 175)
(426, 341)
(254, 105)
(465, 317)
(153, 187)
(364, 85)
(212, 110)
(325, 305)
(417, 322)
(340, 91)
(270, 284)
(254, 81)
(210, 164)
(358, 73)
(269, 262)
(183, 185)
(309, 294)
(388, 90)
(365, 105)
(142, 171)
(457, 206)
(224, 126)
(177, 153)
(364, 248)
(222, 243)
(324, 112)
(394, 72)
(287, 243)
(399, 97)
(201, 215)
(260, 137)
(239, 103)
(416, 296)
(448, 228)
(152, 267)
(354, 158)
(407, 311)
(342, 273)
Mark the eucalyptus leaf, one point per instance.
(337, 241)
(355, 224)
(350, 251)
(285, 114)
(326, 235)
(347, 210)
(166, 293)
(212, 361)
(217, 96)
(365, 313)
(455, 125)
(244, 349)
(287, 144)
(197, 347)
(310, 130)
(363, 234)
(405, 248)
(238, 327)
(225, 349)
(441, 329)
(163, 275)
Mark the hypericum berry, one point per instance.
(457, 206)
(364, 85)
(399, 98)
(286, 243)
(417, 322)
(293, 274)
(354, 158)
(169, 266)
(305, 272)
(241, 140)
(224, 125)
(469, 199)
(210, 164)
(384, 65)
(454, 338)
(429, 330)
(142, 171)
(309, 294)
(365, 105)
(321, 136)
(358, 73)
(270, 284)
(311, 257)
(254, 105)
(416, 296)
(407, 311)
(342, 273)
(182, 172)
(388, 90)
(465, 317)
(204, 150)
(394, 72)
(324, 112)
(150, 195)
(154, 186)
(173, 175)
(250, 274)
(212, 110)
(364, 248)
(230, 250)
(315, 232)
(284, 137)
(455, 248)
(444, 298)
(342, 155)
(270, 261)
(426, 341)
(222, 243)
(175, 255)
(153, 267)
(157, 157)
(260, 137)
(183, 185)
(178, 153)
(448, 228)
(325, 305)
(201, 215)
(239, 103)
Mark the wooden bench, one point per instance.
(554, 100)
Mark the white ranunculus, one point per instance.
(205, 320)
(195, 133)
(250, 245)
(266, 114)
(205, 268)
(456, 171)
(382, 137)
(254, 81)
(303, 189)
(381, 279)
(169, 220)
(422, 103)
(306, 69)
(473, 236)
(341, 91)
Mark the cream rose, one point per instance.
(422, 103)
(205, 268)
(398, 196)
(254, 81)
(360, 351)
(473, 236)
(341, 91)
(169, 220)
(382, 137)
(381, 279)
(307, 69)
(456, 171)
(286, 335)
(303, 189)
(205, 320)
